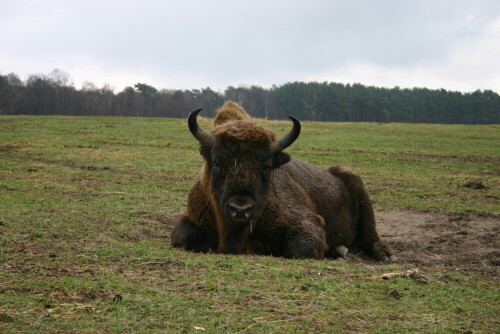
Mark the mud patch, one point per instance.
(468, 242)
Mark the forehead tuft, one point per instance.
(244, 130)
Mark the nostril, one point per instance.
(240, 209)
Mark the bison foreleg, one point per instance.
(191, 237)
(307, 241)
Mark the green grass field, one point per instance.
(87, 205)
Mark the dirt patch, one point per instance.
(8, 148)
(468, 242)
(475, 185)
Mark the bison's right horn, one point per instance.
(289, 138)
(204, 137)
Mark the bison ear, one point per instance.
(280, 158)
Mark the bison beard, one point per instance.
(251, 197)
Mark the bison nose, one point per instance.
(240, 209)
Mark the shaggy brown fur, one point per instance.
(230, 111)
(245, 131)
(248, 198)
(232, 121)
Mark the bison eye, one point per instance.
(216, 168)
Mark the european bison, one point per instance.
(251, 197)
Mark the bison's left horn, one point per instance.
(289, 138)
(203, 136)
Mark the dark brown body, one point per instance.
(297, 210)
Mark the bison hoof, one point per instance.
(384, 253)
(392, 258)
(341, 250)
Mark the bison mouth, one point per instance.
(239, 215)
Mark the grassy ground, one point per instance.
(87, 206)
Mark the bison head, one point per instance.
(240, 157)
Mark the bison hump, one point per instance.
(230, 111)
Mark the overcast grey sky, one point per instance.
(451, 44)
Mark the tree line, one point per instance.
(54, 94)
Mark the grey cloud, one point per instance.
(223, 42)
